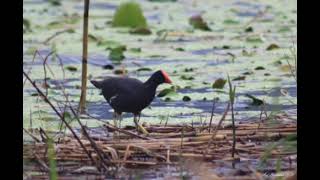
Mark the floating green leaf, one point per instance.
(166, 92)
(55, 2)
(135, 50)
(184, 77)
(157, 56)
(108, 44)
(31, 50)
(188, 70)
(259, 68)
(35, 94)
(162, 0)
(179, 49)
(284, 29)
(93, 38)
(230, 21)
(186, 98)
(219, 83)
(248, 29)
(225, 47)
(144, 69)
(239, 78)
(71, 68)
(272, 47)
(116, 54)
(108, 66)
(254, 39)
(47, 118)
(246, 53)
(247, 73)
(120, 71)
(26, 25)
(198, 23)
(140, 31)
(129, 14)
(255, 101)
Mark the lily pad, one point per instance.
(108, 66)
(27, 25)
(259, 68)
(48, 118)
(225, 47)
(286, 68)
(135, 50)
(144, 69)
(284, 29)
(272, 47)
(230, 21)
(198, 23)
(71, 68)
(55, 2)
(129, 14)
(108, 44)
(116, 54)
(188, 70)
(247, 73)
(179, 49)
(92, 38)
(157, 56)
(239, 78)
(120, 71)
(248, 29)
(31, 50)
(141, 31)
(184, 77)
(35, 94)
(255, 101)
(246, 53)
(166, 92)
(186, 98)
(254, 39)
(162, 0)
(219, 83)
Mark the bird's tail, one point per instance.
(96, 84)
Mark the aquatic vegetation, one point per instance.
(228, 38)
(219, 83)
(116, 53)
(198, 23)
(129, 14)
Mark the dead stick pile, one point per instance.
(164, 145)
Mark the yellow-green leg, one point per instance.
(138, 126)
(115, 117)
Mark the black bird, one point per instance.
(131, 95)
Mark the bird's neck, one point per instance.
(151, 84)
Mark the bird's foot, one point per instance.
(142, 129)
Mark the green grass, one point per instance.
(129, 14)
(52, 162)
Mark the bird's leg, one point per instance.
(115, 117)
(120, 119)
(138, 126)
(139, 115)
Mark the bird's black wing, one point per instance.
(113, 86)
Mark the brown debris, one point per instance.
(164, 145)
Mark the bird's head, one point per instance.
(161, 77)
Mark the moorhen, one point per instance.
(131, 95)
